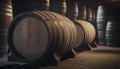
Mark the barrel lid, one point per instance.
(29, 37)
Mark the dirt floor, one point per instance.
(101, 57)
(98, 58)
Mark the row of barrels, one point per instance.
(73, 9)
(35, 36)
(108, 27)
(11, 8)
(56, 26)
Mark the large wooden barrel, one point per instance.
(37, 35)
(113, 34)
(101, 24)
(20, 6)
(58, 6)
(72, 9)
(5, 18)
(86, 33)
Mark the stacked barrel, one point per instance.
(101, 24)
(113, 29)
(5, 18)
(108, 26)
(113, 34)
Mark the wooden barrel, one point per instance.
(29, 5)
(72, 32)
(80, 35)
(101, 24)
(87, 32)
(82, 14)
(63, 34)
(5, 18)
(93, 17)
(37, 35)
(113, 34)
(89, 15)
(72, 9)
(58, 6)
